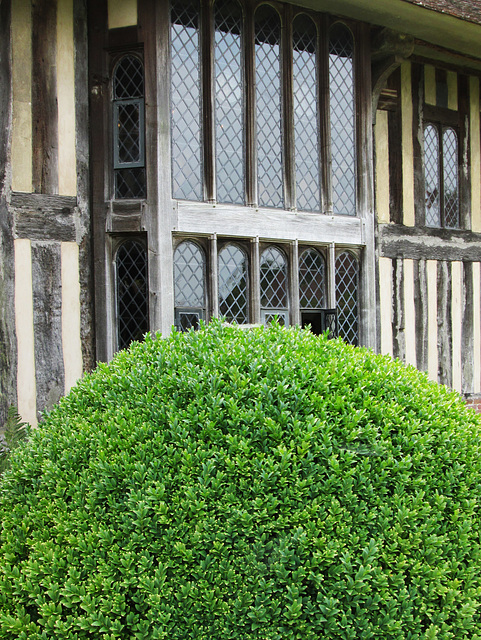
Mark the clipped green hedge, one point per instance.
(261, 484)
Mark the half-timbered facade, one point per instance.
(166, 162)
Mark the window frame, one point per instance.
(442, 119)
(323, 24)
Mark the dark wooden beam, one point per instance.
(44, 97)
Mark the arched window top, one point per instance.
(189, 275)
(233, 298)
(312, 280)
(273, 279)
(128, 78)
(131, 285)
(304, 34)
(341, 41)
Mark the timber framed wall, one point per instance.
(8, 352)
(47, 200)
(429, 278)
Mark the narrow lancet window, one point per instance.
(273, 282)
(185, 99)
(342, 116)
(268, 99)
(131, 290)
(306, 123)
(233, 298)
(189, 285)
(432, 182)
(347, 290)
(450, 178)
(128, 134)
(229, 109)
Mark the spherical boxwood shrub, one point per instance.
(245, 484)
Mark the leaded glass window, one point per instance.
(441, 176)
(229, 109)
(306, 123)
(450, 178)
(131, 292)
(432, 186)
(312, 280)
(342, 116)
(233, 278)
(189, 285)
(185, 100)
(273, 285)
(268, 107)
(128, 121)
(347, 291)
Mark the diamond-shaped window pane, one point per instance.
(450, 177)
(129, 78)
(268, 98)
(132, 299)
(185, 100)
(130, 183)
(233, 285)
(273, 279)
(341, 92)
(431, 177)
(347, 287)
(128, 132)
(189, 275)
(229, 112)
(306, 128)
(312, 280)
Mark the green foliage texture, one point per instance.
(263, 484)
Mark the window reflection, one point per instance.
(233, 285)
(450, 178)
(432, 185)
(268, 98)
(306, 128)
(185, 96)
(229, 102)
(341, 92)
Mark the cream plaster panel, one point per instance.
(409, 312)
(71, 338)
(432, 282)
(452, 78)
(382, 166)
(385, 295)
(26, 385)
(122, 13)
(67, 169)
(407, 145)
(429, 84)
(475, 155)
(477, 327)
(22, 95)
(457, 303)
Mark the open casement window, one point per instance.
(131, 292)
(313, 294)
(263, 107)
(273, 286)
(189, 285)
(128, 128)
(441, 176)
(347, 296)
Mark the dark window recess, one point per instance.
(128, 128)
(132, 299)
(321, 321)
